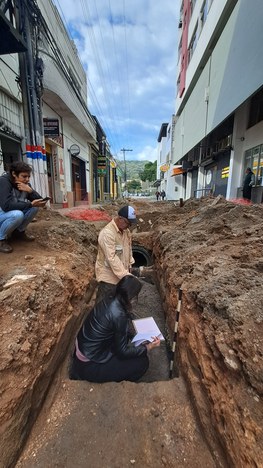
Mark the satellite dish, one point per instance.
(74, 150)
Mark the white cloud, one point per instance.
(148, 153)
(129, 49)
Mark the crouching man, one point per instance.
(19, 204)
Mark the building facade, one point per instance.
(44, 118)
(219, 110)
(69, 128)
(11, 105)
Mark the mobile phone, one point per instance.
(45, 199)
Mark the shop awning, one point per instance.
(178, 171)
(157, 183)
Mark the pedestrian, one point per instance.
(249, 181)
(19, 204)
(163, 194)
(114, 258)
(103, 351)
(157, 194)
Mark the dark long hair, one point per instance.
(127, 288)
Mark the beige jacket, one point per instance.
(114, 254)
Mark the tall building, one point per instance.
(44, 117)
(219, 102)
(69, 128)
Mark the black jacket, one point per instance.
(13, 199)
(105, 333)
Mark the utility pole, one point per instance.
(125, 169)
(31, 75)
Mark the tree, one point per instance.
(149, 172)
(134, 185)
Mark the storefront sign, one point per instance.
(51, 127)
(101, 172)
(164, 167)
(225, 172)
(101, 165)
(55, 165)
(74, 150)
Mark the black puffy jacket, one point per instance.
(104, 333)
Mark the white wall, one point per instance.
(65, 44)
(70, 137)
(237, 66)
(191, 125)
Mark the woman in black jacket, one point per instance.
(102, 349)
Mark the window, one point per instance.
(178, 84)
(254, 160)
(256, 109)
(203, 14)
(179, 50)
(192, 44)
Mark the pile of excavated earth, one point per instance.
(211, 415)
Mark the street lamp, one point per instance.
(125, 171)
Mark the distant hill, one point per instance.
(133, 168)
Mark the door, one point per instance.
(50, 176)
(76, 179)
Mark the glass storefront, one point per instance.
(254, 160)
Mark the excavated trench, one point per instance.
(70, 410)
(211, 415)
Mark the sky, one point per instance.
(129, 51)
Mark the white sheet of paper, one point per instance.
(146, 329)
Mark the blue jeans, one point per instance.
(15, 219)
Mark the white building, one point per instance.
(69, 162)
(165, 168)
(219, 103)
(43, 107)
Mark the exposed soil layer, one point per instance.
(210, 248)
(92, 422)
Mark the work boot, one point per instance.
(5, 247)
(22, 235)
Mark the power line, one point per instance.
(101, 59)
(127, 65)
(101, 74)
(97, 109)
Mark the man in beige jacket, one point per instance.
(114, 257)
